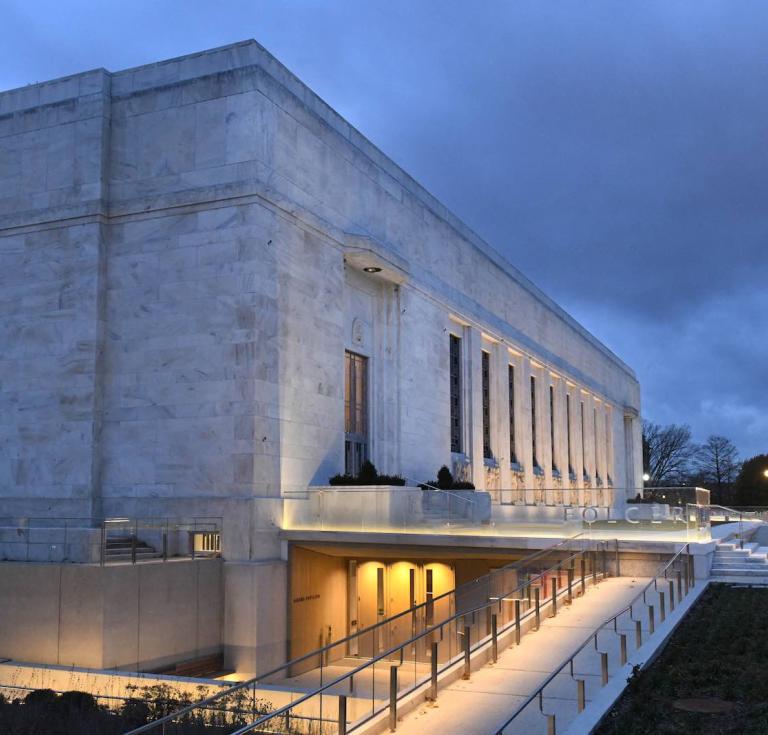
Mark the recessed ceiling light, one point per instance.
(372, 269)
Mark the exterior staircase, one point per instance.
(732, 563)
(119, 548)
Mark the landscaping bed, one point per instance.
(712, 677)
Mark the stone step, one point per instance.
(725, 571)
(129, 557)
(731, 557)
(128, 547)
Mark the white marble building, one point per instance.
(187, 251)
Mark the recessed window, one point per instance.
(534, 446)
(457, 444)
(486, 387)
(355, 412)
(568, 431)
(594, 428)
(512, 449)
(583, 442)
(552, 425)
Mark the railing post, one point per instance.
(495, 638)
(517, 622)
(604, 668)
(638, 634)
(433, 689)
(651, 621)
(569, 599)
(581, 695)
(551, 729)
(662, 611)
(392, 698)
(671, 596)
(583, 574)
(342, 715)
(692, 568)
(594, 566)
(679, 587)
(686, 569)
(466, 653)
(536, 606)
(554, 598)
(103, 542)
(623, 643)
(133, 543)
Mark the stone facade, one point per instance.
(182, 266)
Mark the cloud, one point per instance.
(614, 152)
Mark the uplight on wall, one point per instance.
(372, 269)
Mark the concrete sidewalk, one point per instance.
(479, 706)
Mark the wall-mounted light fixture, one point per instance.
(372, 269)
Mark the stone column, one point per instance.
(501, 365)
(474, 381)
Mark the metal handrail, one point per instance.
(446, 492)
(592, 637)
(395, 649)
(203, 703)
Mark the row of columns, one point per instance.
(596, 455)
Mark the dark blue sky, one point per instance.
(616, 152)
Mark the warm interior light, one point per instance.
(372, 269)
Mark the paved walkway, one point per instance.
(480, 705)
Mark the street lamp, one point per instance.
(765, 473)
(647, 477)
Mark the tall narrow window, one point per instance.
(583, 442)
(594, 428)
(355, 412)
(533, 423)
(568, 431)
(486, 370)
(608, 444)
(552, 425)
(455, 379)
(512, 450)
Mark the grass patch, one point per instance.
(718, 655)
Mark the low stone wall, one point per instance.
(132, 616)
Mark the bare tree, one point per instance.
(717, 464)
(667, 453)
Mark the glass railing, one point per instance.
(350, 680)
(540, 512)
(108, 540)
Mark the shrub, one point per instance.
(444, 478)
(41, 698)
(390, 480)
(342, 480)
(368, 476)
(445, 481)
(78, 702)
